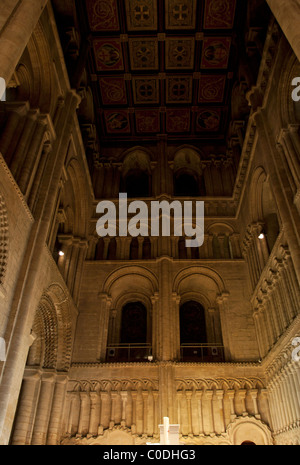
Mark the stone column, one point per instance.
(253, 394)
(155, 411)
(134, 399)
(124, 395)
(200, 415)
(17, 21)
(258, 332)
(231, 395)
(105, 304)
(242, 395)
(155, 326)
(84, 419)
(221, 301)
(95, 414)
(42, 417)
(176, 325)
(56, 410)
(165, 312)
(273, 415)
(145, 411)
(220, 395)
(189, 411)
(288, 17)
(27, 405)
(211, 425)
(178, 400)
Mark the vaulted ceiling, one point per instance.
(163, 68)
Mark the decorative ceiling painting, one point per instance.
(162, 67)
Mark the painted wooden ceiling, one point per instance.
(162, 67)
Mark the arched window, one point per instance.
(186, 185)
(136, 174)
(188, 179)
(193, 337)
(192, 323)
(129, 338)
(136, 184)
(134, 324)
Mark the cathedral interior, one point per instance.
(186, 100)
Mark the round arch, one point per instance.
(249, 429)
(203, 271)
(131, 271)
(136, 173)
(52, 331)
(187, 173)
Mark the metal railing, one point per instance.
(201, 353)
(129, 353)
(143, 352)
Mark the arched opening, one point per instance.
(134, 249)
(136, 175)
(188, 180)
(112, 249)
(248, 443)
(134, 324)
(136, 184)
(193, 335)
(133, 342)
(186, 185)
(146, 248)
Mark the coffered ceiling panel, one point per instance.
(162, 67)
(147, 121)
(141, 15)
(143, 54)
(108, 55)
(113, 90)
(180, 14)
(219, 14)
(103, 15)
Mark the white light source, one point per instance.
(150, 358)
(261, 236)
(60, 253)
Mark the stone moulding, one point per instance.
(159, 364)
(236, 432)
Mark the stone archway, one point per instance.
(249, 429)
